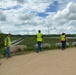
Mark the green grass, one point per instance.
(14, 38)
(31, 41)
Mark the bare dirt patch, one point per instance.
(53, 62)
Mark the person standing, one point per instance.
(7, 46)
(39, 37)
(63, 40)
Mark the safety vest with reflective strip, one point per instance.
(39, 37)
(62, 37)
(7, 41)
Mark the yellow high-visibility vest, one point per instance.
(39, 37)
(62, 38)
(7, 41)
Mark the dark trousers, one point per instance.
(39, 47)
(63, 44)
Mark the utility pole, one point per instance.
(27, 33)
(0, 31)
(48, 29)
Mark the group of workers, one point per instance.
(39, 38)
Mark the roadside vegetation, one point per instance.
(30, 41)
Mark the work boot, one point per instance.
(4, 55)
(8, 57)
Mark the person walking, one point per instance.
(39, 37)
(7, 46)
(63, 40)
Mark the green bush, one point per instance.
(2, 37)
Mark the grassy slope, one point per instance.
(14, 38)
(31, 41)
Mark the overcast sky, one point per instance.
(29, 16)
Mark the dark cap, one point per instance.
(39, 31)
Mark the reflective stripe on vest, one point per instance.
(7, 41)
(62, 37)
(39, 37)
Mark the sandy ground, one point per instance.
(55, 62)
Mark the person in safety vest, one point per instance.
(39, 37)
(7, 43)
(63, 40)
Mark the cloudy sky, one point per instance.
(29, 16)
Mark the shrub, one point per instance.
(2, 37)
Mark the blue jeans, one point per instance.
(63, 44)
(7, 51)
(39, 47)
